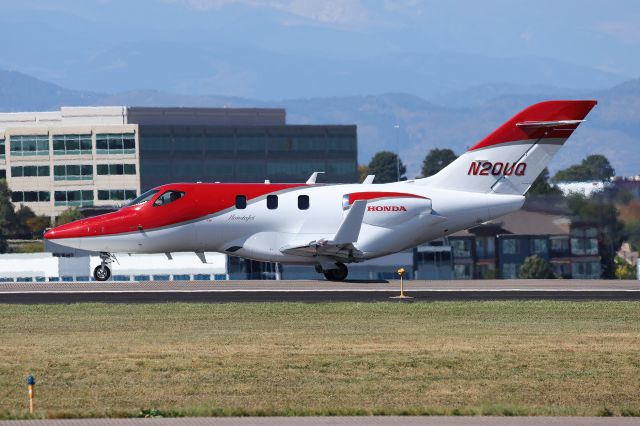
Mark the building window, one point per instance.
(2, 149)
(560, 247)
(539, 246)
(584, 246)
(272, 202)
(341, 167)
(3, 174)
(485, 247)
(485, 272)
(116, 194)
(562, 270)
(585, 270)
(71, 144)
(29, 171)
(303, 202)
(73, 172)
(510, 246)
(74, 198)
(510, 271)
(461, 248)
(116, 143)
(462, 271)
(293, 169)
(241, 201)
(29, 145)
(31, 196)
(116, 169)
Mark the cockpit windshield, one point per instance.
(143, 198)
(168, 197)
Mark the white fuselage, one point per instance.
(390, 224)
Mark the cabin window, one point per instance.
(303, 202)
(168, 197)
(272, 202)
(241, 201)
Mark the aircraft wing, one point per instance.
(341, 245)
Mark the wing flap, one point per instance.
(341, 246)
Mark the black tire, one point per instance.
(339, 274)
(101, 273)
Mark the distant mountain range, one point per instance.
(455, 120)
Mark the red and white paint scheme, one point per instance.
(328, 226)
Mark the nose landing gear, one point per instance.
(102, 272)
(337, 274)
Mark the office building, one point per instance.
(101, 156)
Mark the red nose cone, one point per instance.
(70, 230)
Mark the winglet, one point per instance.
(350, 228)
(368, 180)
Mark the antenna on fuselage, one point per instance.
(312, 178)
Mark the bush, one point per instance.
(535, 267)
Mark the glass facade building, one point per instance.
(246, 153)
(101, 156)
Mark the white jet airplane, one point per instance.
(328, 226)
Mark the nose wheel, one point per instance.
(338, 274)
(102, 272)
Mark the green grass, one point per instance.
(467, 358)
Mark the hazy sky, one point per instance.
(54, 40)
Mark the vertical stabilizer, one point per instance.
(513, 156)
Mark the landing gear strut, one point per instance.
(338, 274)
(102, 271)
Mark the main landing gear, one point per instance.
(336, 274)
(102, 272)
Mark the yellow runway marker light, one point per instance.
(31, 382)
(401, 272)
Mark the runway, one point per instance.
(314, 291)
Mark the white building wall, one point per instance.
(38, 266)
(68, 121)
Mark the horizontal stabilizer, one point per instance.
(548, 124)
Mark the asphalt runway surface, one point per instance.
(315, 291)
(338, 421)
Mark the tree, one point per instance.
(29, 225)
(37, 225)
(541, 186)
(7, 216)
(535, 267)
(593, 168)
(436, 160)
(624, 271)
(632, 232)
(385, 166)
(69, 215)
(23, 214)
(363, 171)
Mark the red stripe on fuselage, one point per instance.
(543, 111)
(199, 200)
(375, 195)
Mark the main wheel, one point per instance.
(339, 274)
(101, 273)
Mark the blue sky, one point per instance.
(239, 47)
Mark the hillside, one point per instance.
(613, 128)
